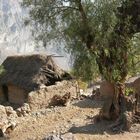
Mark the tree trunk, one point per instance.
(117, 106)
(110, 95)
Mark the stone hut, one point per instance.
(25, 74)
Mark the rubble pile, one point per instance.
(43, 97)
(9, 117)
(24, 110)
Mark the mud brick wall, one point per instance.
(16, 95)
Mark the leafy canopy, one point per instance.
(87, 29)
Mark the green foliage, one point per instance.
(88, 29)
(82, 85)
(2, 70)
(85, 67)
(129, 91)
(134, 55)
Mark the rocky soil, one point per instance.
(74, 122)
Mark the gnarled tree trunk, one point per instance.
(110, 95)
(117, 106)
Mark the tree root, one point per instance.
(123, 123)
(136, 117)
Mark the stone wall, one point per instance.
(42, 97)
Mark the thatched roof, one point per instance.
(30, 71)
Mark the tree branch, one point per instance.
(66, 7)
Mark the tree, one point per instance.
(99, 32)
(78, 24)
(134, 56)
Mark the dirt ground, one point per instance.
(76, 119)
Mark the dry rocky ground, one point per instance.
(74, 122)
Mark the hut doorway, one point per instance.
(5, 91)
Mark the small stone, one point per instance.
(54, 131)
(52, 137)
(68, 136)
(48, 110)
(106, 134)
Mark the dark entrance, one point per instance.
(5, 91)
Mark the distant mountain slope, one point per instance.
(15, 38)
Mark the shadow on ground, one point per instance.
(88, 103)
(92, 128)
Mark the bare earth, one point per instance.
(76, 119)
